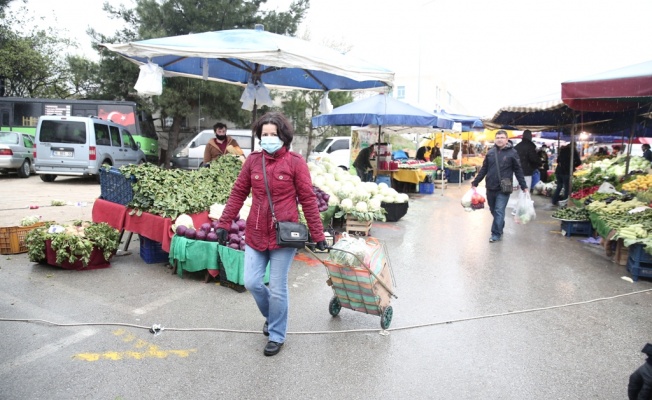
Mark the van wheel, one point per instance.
(48, 178)
(24, 169)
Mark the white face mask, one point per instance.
(270, 143)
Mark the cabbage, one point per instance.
(200, 235)
(333, 201)
(361, 206)
(346, 204)
(234, 228)
(181, 230)
(375, 204)
(206, 227)
(190, 233)
(211, 237)
(402, 198)
(183, 219)
(241, 224)
(382, 186)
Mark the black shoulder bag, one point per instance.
(288, 234)
(506, 185)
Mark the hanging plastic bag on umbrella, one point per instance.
(262, 95)
(524, 208)
(248, 97)
(150, 80)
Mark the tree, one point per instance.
(31, 64)
(152, 18)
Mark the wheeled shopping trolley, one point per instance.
(366, 288)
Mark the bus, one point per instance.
(21, 114)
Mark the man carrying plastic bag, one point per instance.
(524, 209)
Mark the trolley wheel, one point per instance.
(386, 317)
(334, 306)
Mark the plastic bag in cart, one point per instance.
(362, 250)
(524, 208)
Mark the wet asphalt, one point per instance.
(537, 315)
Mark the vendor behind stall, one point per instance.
(221, 145)
(362, 163)
(421, 153)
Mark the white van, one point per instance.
(79, 146)
(337, 148)
(189, 154)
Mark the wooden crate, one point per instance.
(621, 253)
(357, 227)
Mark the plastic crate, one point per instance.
(384, 178)
(569, 228)
(115, 187)
(151, 251)
(455, 176)
(638, 269)
(12, 238)
(637, 253)
(426, 188)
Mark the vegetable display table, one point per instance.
(196, 255)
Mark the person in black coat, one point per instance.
(527, 154)
(640, 382)
(545, 165)
(563, 172)
(421, 153)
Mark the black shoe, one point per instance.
(272, 348)
(265, 330)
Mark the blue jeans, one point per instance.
(497, 205)
(272, 300)
(562, 182)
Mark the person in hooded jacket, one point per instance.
(527, 154)
(220, 145)
(289, 184)
(502, 160)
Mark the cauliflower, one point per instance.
(361, 206)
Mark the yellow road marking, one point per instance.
(150, 350)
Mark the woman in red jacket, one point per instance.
(289, 183)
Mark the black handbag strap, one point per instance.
(269, 196)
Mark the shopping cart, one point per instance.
(367, 288)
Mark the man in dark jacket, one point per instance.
(362, 163)
(527, 154)
(640, 382)
(500, 162)
(563, 172)
(421, 153)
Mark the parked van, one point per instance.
(337, 148)
(79, 146)
(189, 154)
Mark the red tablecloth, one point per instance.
(151, 226)
(111, 213)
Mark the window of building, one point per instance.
(400, 92)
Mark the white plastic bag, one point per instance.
(358, 246)
(150, 80)
(248, 97)
(466, 199)
(524, 208)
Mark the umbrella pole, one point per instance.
(629, 147)
(378, 152)
(443, 170)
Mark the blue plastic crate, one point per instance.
(384, 178)
(454, 175)
(151, 251)
(426, 188)
(637, 253)
(638, 269)
(115, 187)
(569, 228)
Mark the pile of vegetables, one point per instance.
(360, 200)
(171, 192)
(472, 200)
(639, 183)
(184, 226)
(72, 242)
(572, 214)
(631, 219)
(322, 198)
(609, 169)
(30, 220)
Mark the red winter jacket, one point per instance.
(288, 179)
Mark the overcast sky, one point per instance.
(492, 53)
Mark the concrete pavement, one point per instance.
(537, 315)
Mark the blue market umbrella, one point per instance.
(242, 56)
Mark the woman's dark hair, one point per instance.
(284, 128)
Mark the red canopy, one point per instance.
(617, 90)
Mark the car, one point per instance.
(80, 146)
(189, 154)
(16, 153)
(336, 148)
